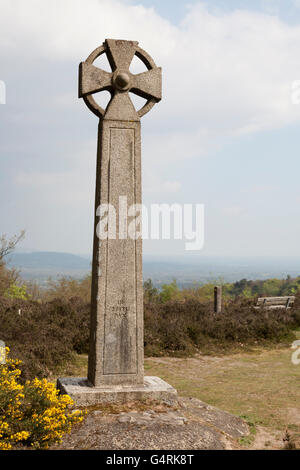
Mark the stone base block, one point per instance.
(84, 394)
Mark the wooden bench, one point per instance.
(275, 302)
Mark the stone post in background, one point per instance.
(218, 299)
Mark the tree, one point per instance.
(150, 292)
(8, 245)
(67, 287)
(169, 292)
(8, 276)
(17, 292)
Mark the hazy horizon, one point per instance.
(40, 266)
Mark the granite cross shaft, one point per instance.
(117, 340)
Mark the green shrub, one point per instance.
(17, 292)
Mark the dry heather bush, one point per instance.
(46, 335)
(184, 327)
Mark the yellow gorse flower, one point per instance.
(33, 414)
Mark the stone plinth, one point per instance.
(84, 394)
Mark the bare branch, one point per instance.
(8, 245)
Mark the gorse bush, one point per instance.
(32, 414)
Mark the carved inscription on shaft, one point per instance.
(120, 310)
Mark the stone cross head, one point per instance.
(120, 81)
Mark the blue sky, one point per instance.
(174, 10)
(226, 133)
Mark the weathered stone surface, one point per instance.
(84, 394)
(225, 422)
(116, 356)
(120, 81)
(117, 339)
(157, 427)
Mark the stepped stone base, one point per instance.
(84, 394)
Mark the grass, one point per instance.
(248, 440)
(262, 386)
(76, 368)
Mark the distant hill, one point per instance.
(49, 260)
(43, 265)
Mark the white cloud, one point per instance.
(233, 211)
(263, 188)
(228, 73)
(172, 186)
(70, 189)
(224, 75)
(71, 29)
(271, 6)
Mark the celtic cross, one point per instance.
(116, 334)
